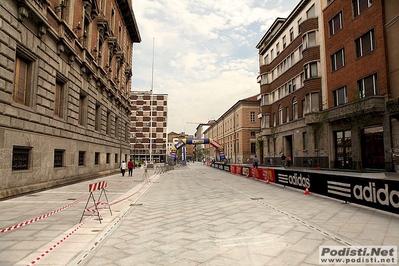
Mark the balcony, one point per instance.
(357, 109)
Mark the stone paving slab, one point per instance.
(204, 216)
(193, 215)
(22, 245)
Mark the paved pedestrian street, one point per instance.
(197, 215)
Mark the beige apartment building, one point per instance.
(199, 149)
(292, 85)
(65, 78)
(236, 130)
(148, 132)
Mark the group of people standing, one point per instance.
(129, 165)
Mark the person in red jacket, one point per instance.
(130, 167)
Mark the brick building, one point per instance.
(148, 126)
(357, 84)
(65, 76)
(236, 130)
(329, 85)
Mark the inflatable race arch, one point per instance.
(210, 141)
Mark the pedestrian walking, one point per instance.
(123, 168)
(256, 161)
(130, 167)
(283, 160)
(288, 159)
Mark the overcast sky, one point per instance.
(205, 55)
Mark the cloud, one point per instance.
(205, 57)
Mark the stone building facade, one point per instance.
(148, 126)
(236, 130)
(65, 78)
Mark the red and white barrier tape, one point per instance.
(59, 242)
(85, 221)
(41, 217)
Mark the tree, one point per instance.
(317, 121)
(273, 135)
(259, 145)
(206, 153)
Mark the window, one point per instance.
(116, 127)
(59, 99)
(274, 119)
(311, 70)
(20, 158)
(305, 141)
(266, 121)
(82, 109)
(287, 113)
(300, 50)
(108, 130)
(252, 133)
(278, 48)
(127, 130)
(311, 12)
(253, 147)
(359, 6)
(294, 109)
(368, 86)
(97, 125)
(299, 25)
(291, 34)
(272, 54)
(22, 84)
(81, 159)
(116, 158)
(340, 96)
(96, 158)
(335, 24)
(338, 60)
(365, 43)
(280, 115)
(263, 79)
(58, 158)
(107, 158)
(252, 117)
(309, 40)
(284, 42)
(312, 102)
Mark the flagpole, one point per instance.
(152, 88)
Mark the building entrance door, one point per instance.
(373, 148)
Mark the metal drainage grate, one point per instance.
(256, 198)
(136, 204)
